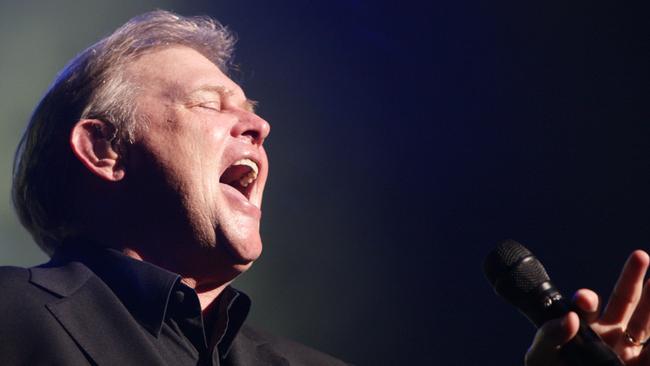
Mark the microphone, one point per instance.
(518, 277)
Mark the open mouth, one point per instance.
(241, 175)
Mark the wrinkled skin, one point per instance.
(197, 122)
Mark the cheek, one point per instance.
(194, 147)
(189, 147)
(208, 133)
(206, 153)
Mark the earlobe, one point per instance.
(91, 142)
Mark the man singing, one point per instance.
(141, 174)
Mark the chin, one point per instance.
(243, 250)
(241, 261)
(246, 254)
(224, 262)
(241, 268)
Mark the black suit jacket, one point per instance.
(66, 315)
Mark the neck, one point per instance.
(207, 292)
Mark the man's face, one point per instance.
(198, 159)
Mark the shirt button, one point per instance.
(179, 297)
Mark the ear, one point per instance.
(90, 141)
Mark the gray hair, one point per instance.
(93, 85)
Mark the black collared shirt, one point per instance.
(168, 309)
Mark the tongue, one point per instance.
(234, 173)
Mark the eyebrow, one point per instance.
(248, 105)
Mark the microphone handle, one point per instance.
(586, 348)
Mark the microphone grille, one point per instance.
(520, 279)
(510, 252)
(514, 267)
(500, 259)
(526, 276)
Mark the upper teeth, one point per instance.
(249, 177)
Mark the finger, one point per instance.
(640, 321)
(549, 338)
(644, 357)
(587, 304)
(628, 289)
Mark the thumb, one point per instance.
(549, 338)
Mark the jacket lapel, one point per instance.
(94, 317)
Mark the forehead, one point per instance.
(177, 69)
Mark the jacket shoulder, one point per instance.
(11, 277)
(15, 287)
(18, 295)
(20, 285)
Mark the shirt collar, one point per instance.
(235, 305)
(143, 288)
(146, 289)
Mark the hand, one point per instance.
(628, 311)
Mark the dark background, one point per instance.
(409, 137)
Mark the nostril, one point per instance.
(253, 135)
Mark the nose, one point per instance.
(251, 126)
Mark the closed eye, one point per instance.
(213, 105)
